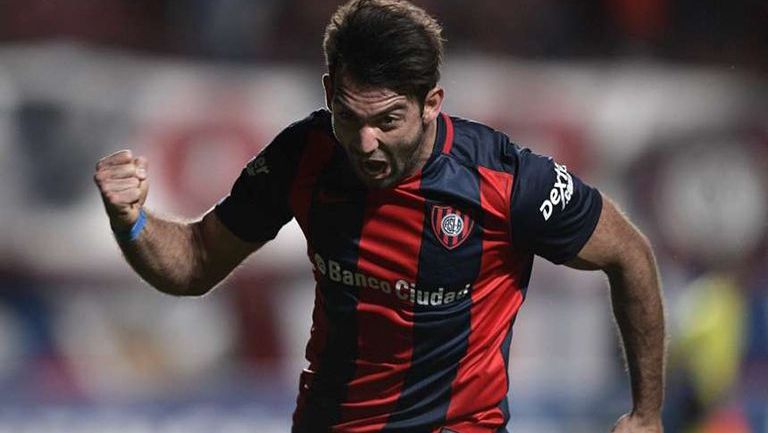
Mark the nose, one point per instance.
(368, 140)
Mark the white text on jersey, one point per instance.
(560, 194)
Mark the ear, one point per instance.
(433, 103)
(328, 87)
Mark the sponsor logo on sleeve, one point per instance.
(560, 194)
(257, 166)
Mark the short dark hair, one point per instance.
(385, 43)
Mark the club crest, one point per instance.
(451, 226)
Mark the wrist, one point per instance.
(131, 233)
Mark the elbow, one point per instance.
(188, 289)
(641, 251)
(634, 278)
(191, 292)
(636, 254)
(196, 288)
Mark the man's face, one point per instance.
(383, 133)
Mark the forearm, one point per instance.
(167, 255)
(638, 308)
(176, 257)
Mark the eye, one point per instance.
(388, 121)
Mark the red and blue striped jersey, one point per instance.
(417, 285)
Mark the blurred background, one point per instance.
(663, 104)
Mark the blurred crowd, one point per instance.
(711, 31)
(662, 104)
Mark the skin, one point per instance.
(619, 249)
(376, 125)
(189, 258)
(183, 258)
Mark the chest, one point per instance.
(436, 233)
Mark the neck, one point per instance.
(425, 147)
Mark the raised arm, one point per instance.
(176, 257)
(625, 255)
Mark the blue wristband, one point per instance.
(132, 234)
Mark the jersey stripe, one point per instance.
(317, 154)
(331, 361)
(495, 300)
(504, 405)
(440, 333)
(448, 143)
(384, 317)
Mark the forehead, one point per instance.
(368, 100)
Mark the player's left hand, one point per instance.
(630, 423)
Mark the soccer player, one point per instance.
(421, 229)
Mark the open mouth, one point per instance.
(375, 168)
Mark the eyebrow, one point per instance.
(399, 105)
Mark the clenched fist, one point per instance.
(122, 180)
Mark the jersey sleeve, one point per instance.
(553, 213)
(257, 206)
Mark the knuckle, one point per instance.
(100, 180)
(121, 154)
